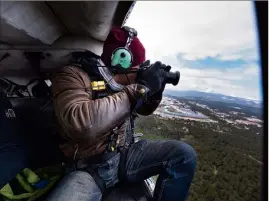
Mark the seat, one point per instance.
(130, 192)
(39, 130)
(13, 149)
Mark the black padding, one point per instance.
(13, 148)
(40, 129)
(127, 192)
(28, 135)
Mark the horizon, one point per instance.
(179, 90)
(208, 49)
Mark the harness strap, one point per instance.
(99, 181)
(122, 164)
(89, 165)
(97, 159)
(88, 62)
(132, 128)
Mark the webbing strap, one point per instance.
(99, 181)
(122, 164)
(132, 130)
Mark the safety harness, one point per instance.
(88, 61)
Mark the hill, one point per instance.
(228, 142)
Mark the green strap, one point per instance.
(30, 176)
(24, 183)
(27, 177)
(41, 192)
(7, 192)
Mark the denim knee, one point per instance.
(78, 185)
(80, 176)
(183, 154)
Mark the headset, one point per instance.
(122, 57)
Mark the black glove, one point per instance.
(153, 77)
(159, 94)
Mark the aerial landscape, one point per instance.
(226, 133)
(73, 74)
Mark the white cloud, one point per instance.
(241, 82)
(196, 28)
(199, 29)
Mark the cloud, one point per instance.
(212, 43)
(196, 28)
(242, 81)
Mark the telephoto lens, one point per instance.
(172, 77)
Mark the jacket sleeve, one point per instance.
(80, 116)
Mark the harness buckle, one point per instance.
(113, 141)
(98, 85)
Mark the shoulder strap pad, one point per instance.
(87, 61)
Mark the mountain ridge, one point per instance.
(192, 94)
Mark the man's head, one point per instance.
(117, 38)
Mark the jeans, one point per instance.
(173, 160)
(76, 186)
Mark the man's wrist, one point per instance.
(157, 96)
(136, 92)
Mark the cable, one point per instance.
(117, 71)
(31, 81)
(10, 82)
(29, 94)
(4, 82)
(4, 57)
(127, 78)
(18, 88)
(46, 105)
(12, 88)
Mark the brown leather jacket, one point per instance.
(86, 123)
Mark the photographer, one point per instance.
(97, 125)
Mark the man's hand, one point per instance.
(135, 93)
(153, 78)
(149, 88)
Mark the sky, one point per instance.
(212, 43)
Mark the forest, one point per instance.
(229, 158)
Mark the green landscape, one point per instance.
(228, 157)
